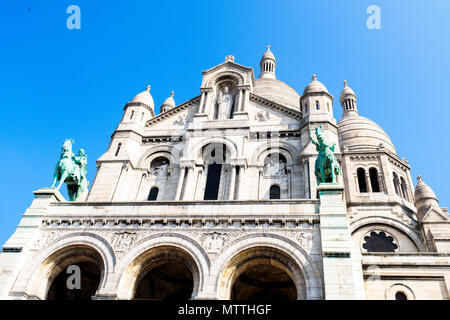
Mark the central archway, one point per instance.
(264, 282)
(165, 273)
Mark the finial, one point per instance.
(268, 47)
(314, 77)
(148, 88)
(171, 94)
(419, 178)
(345, 83)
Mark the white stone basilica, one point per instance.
(216, 198)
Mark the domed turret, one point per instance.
(268, 64)
(168, 104)
(315, 86)
(348, 101)
(424, 198)
(140, 109)
(317, 102)
(145, 98)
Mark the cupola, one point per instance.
(268, 65)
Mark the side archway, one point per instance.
(91, 253)
(260, 267)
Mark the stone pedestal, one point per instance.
(16, 249)
(342, 277)
(200, 117)
(240, 115)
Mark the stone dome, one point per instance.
(315, 86)
(278, 92)
(359, 133)
(423, 191)
(144, 97)
(169, 102)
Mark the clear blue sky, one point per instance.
(57, 83)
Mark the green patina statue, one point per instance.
(327, 167)
(72, 170)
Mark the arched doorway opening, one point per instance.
(263, 274)
(165, 273)
(76, 274)
(264, 282)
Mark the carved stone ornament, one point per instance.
(262, 116)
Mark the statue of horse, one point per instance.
(327, 167)
(72, 170)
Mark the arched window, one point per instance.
(373, 173)
(132, 114)
(153, 195)
(400, 296)
(275, 192)
(362, 180)
(396, 184)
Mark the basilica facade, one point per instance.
(217, 198)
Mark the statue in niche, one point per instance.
(225, 104)
(161, 169)
(275, 168)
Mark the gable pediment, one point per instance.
(435, 215)
(176, 116)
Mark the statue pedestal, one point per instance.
(240, 115)
(200, 117)
(341, 267)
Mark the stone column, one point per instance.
(368, 183)
(341, 267)
(201, 108)
(232, 183)
(189, 189)
(208, 104)
(239, 101)
(180, 183)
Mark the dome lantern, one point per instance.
(268, 64)
(348, 101)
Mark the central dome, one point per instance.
(278, 92)
(359, 133)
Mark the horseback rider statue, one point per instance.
(327, 167)
(72, 170)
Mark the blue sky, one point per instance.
(57, 83)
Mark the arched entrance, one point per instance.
(263, 274)
(264, 282)
(165, 273)
(76, 274)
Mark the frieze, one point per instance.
(213, 242)
(117, 223)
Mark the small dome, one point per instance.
(169, 102)
(278, 92)
(361, 134)
(315, 86)
(145, 97)
(347, 90)
(423, 191)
